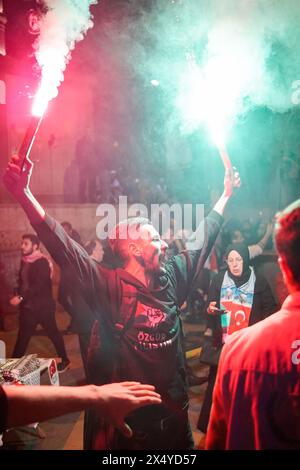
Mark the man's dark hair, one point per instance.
(32, 237)
(287, 237)
(118, 243)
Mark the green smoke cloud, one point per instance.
(249, 51)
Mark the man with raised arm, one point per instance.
(136, 334)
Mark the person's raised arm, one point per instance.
(258, 248)
(231, 181)
(196, 241)
(200, 244)
(17, 183)
(66, 252)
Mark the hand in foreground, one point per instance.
(117, 400)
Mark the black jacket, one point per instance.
(137, 334)
(35, 285)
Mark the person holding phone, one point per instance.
(237, 298)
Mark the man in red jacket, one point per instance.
(256, 402)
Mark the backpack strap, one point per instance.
(127, 308)
(124, 292)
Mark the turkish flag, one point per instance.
(239, 315)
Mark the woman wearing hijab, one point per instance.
(238, 298)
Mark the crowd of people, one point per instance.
(128, 319)
(93, 177)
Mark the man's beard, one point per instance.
(158, 268)
(26, 254)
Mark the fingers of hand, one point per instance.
(237, 183)
(151, 400)
(142, 387)
(236, 178)
(144, 393)
(13, 168)
(15, 159)
(138, 387)
(10, 178)
(212, 307)
(144, 400)
(15, 301)
(136, 390)
(128, 383)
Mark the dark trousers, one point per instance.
(170, 434)
(176, 435)
(64, 298)
(84, 341)
(28, 321)
(207, 402)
